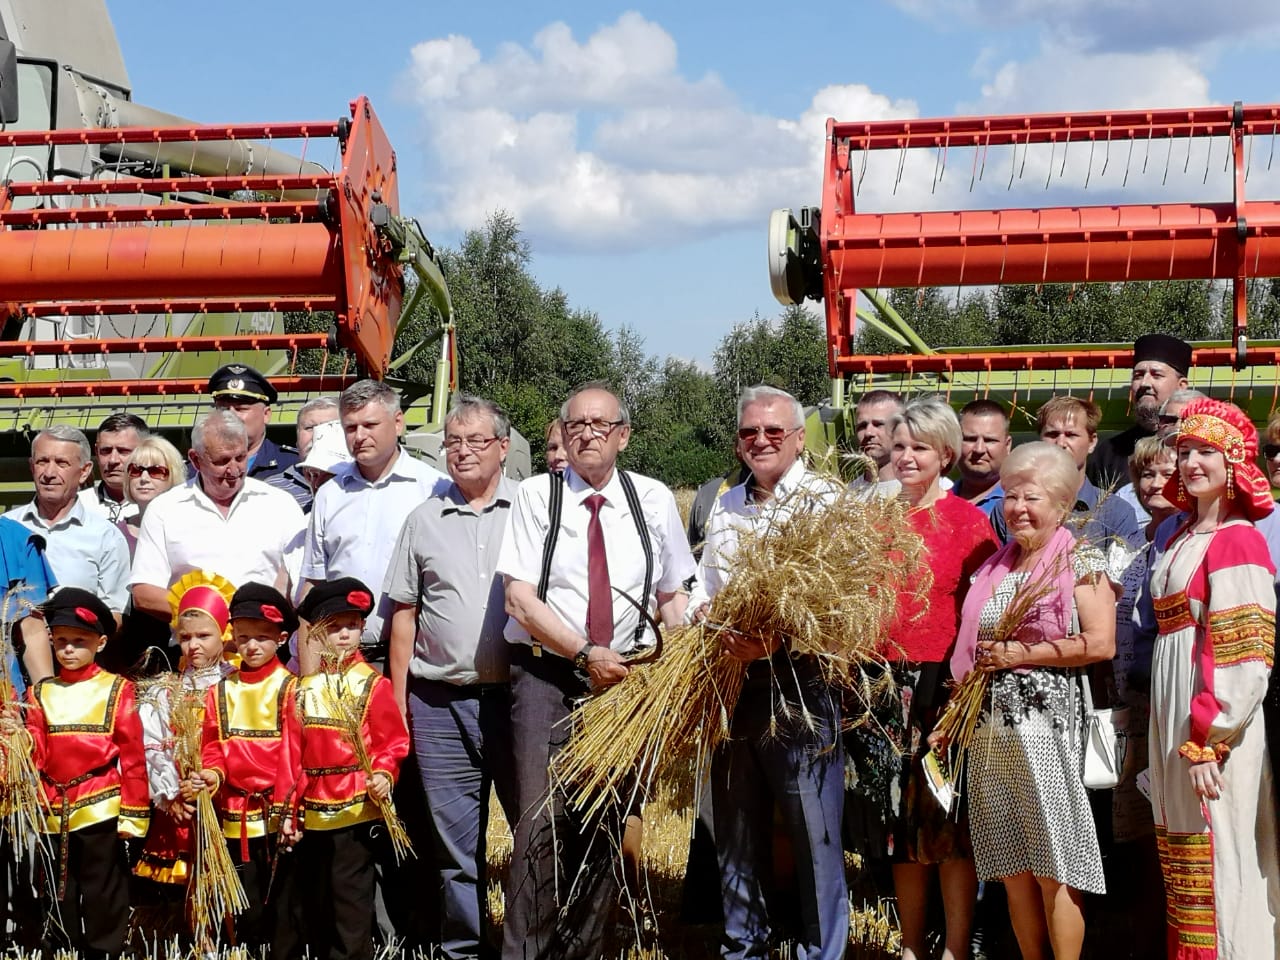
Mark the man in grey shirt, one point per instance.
(448, 659)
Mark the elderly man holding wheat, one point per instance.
(784, 747)
(582, 553)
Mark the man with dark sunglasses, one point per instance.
(1160, 365)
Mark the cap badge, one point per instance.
(271, 613)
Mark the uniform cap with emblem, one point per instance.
(74, 607)
(257, 601)
(346, 594)
(236, 381)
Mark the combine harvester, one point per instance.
(140, 251)
(837, 252)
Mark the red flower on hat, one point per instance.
(87, 615)
(359, 599)
(272, 613)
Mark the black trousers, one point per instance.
(19, 908)
(93, 916)
(254, 926)
(565, 879)
(332, 886)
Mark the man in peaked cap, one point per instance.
(249, 395)
(1160, 365)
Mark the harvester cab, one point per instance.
(142, 251)
(848, 257)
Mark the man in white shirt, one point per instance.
(356, 517)
(769, 761)
(83, 548)
(221, 520)
(117, 437)
(571, 632)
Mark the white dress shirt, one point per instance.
(521, 555)
(736, 513)
(84, 550)
(96, 500)
(355, 525)
(258, 541)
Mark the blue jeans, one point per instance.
(800, 769)
(462, 740)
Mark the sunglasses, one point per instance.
(770, 434)
(1271, 450)
(157, 472)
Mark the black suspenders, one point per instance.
(555, 509)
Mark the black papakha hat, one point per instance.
(235, 381)
(346, 594)
(1163, 348)
(74, 607)
(257, 601)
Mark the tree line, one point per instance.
(526, 346)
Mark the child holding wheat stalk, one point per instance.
(184, 850)
(242, 748)
(87, 744)
(344, 745)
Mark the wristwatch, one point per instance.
(581, 657)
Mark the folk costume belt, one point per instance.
(64, 815)
(251, 797)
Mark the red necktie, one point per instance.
(599, 599)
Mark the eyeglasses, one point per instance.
(1271, 450)
(774, 435)
(599, 428)
(157, 472)
(1169, 419)
(454, 444)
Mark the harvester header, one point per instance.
(199, 220)
(833, 252)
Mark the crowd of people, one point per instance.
(358, 633)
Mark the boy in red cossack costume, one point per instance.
(198, 603)
(331, 810)
(87, 745)
(243, 748)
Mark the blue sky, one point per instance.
(642, 145)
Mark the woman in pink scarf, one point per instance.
(1029, 813)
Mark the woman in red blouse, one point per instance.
(958, 537)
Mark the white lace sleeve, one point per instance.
(157, 744)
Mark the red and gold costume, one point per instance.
(88, 748)
(323, 780)
(243, 743)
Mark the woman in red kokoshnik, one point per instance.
(1211, 791)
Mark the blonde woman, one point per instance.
(154, 466)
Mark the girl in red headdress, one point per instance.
(199, 602)
(1211, 792)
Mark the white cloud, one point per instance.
(1116, 25)
(605, 143)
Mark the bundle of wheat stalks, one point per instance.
(214, 892)
(959, 720)
(24, 808)
(346, 708)
(822, 573)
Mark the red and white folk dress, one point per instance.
(1214, 596)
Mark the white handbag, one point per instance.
(1104, 741)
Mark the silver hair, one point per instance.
(931, 419)
(1183, 396)
(761, 393)
(318, 403)
(217, 423)
(65, 434)
(467, 405)
(1045, 464)
(359, 395)
(624, 414)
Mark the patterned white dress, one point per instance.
(1028, 808)
(1215, 604)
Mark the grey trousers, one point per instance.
(565, 872)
